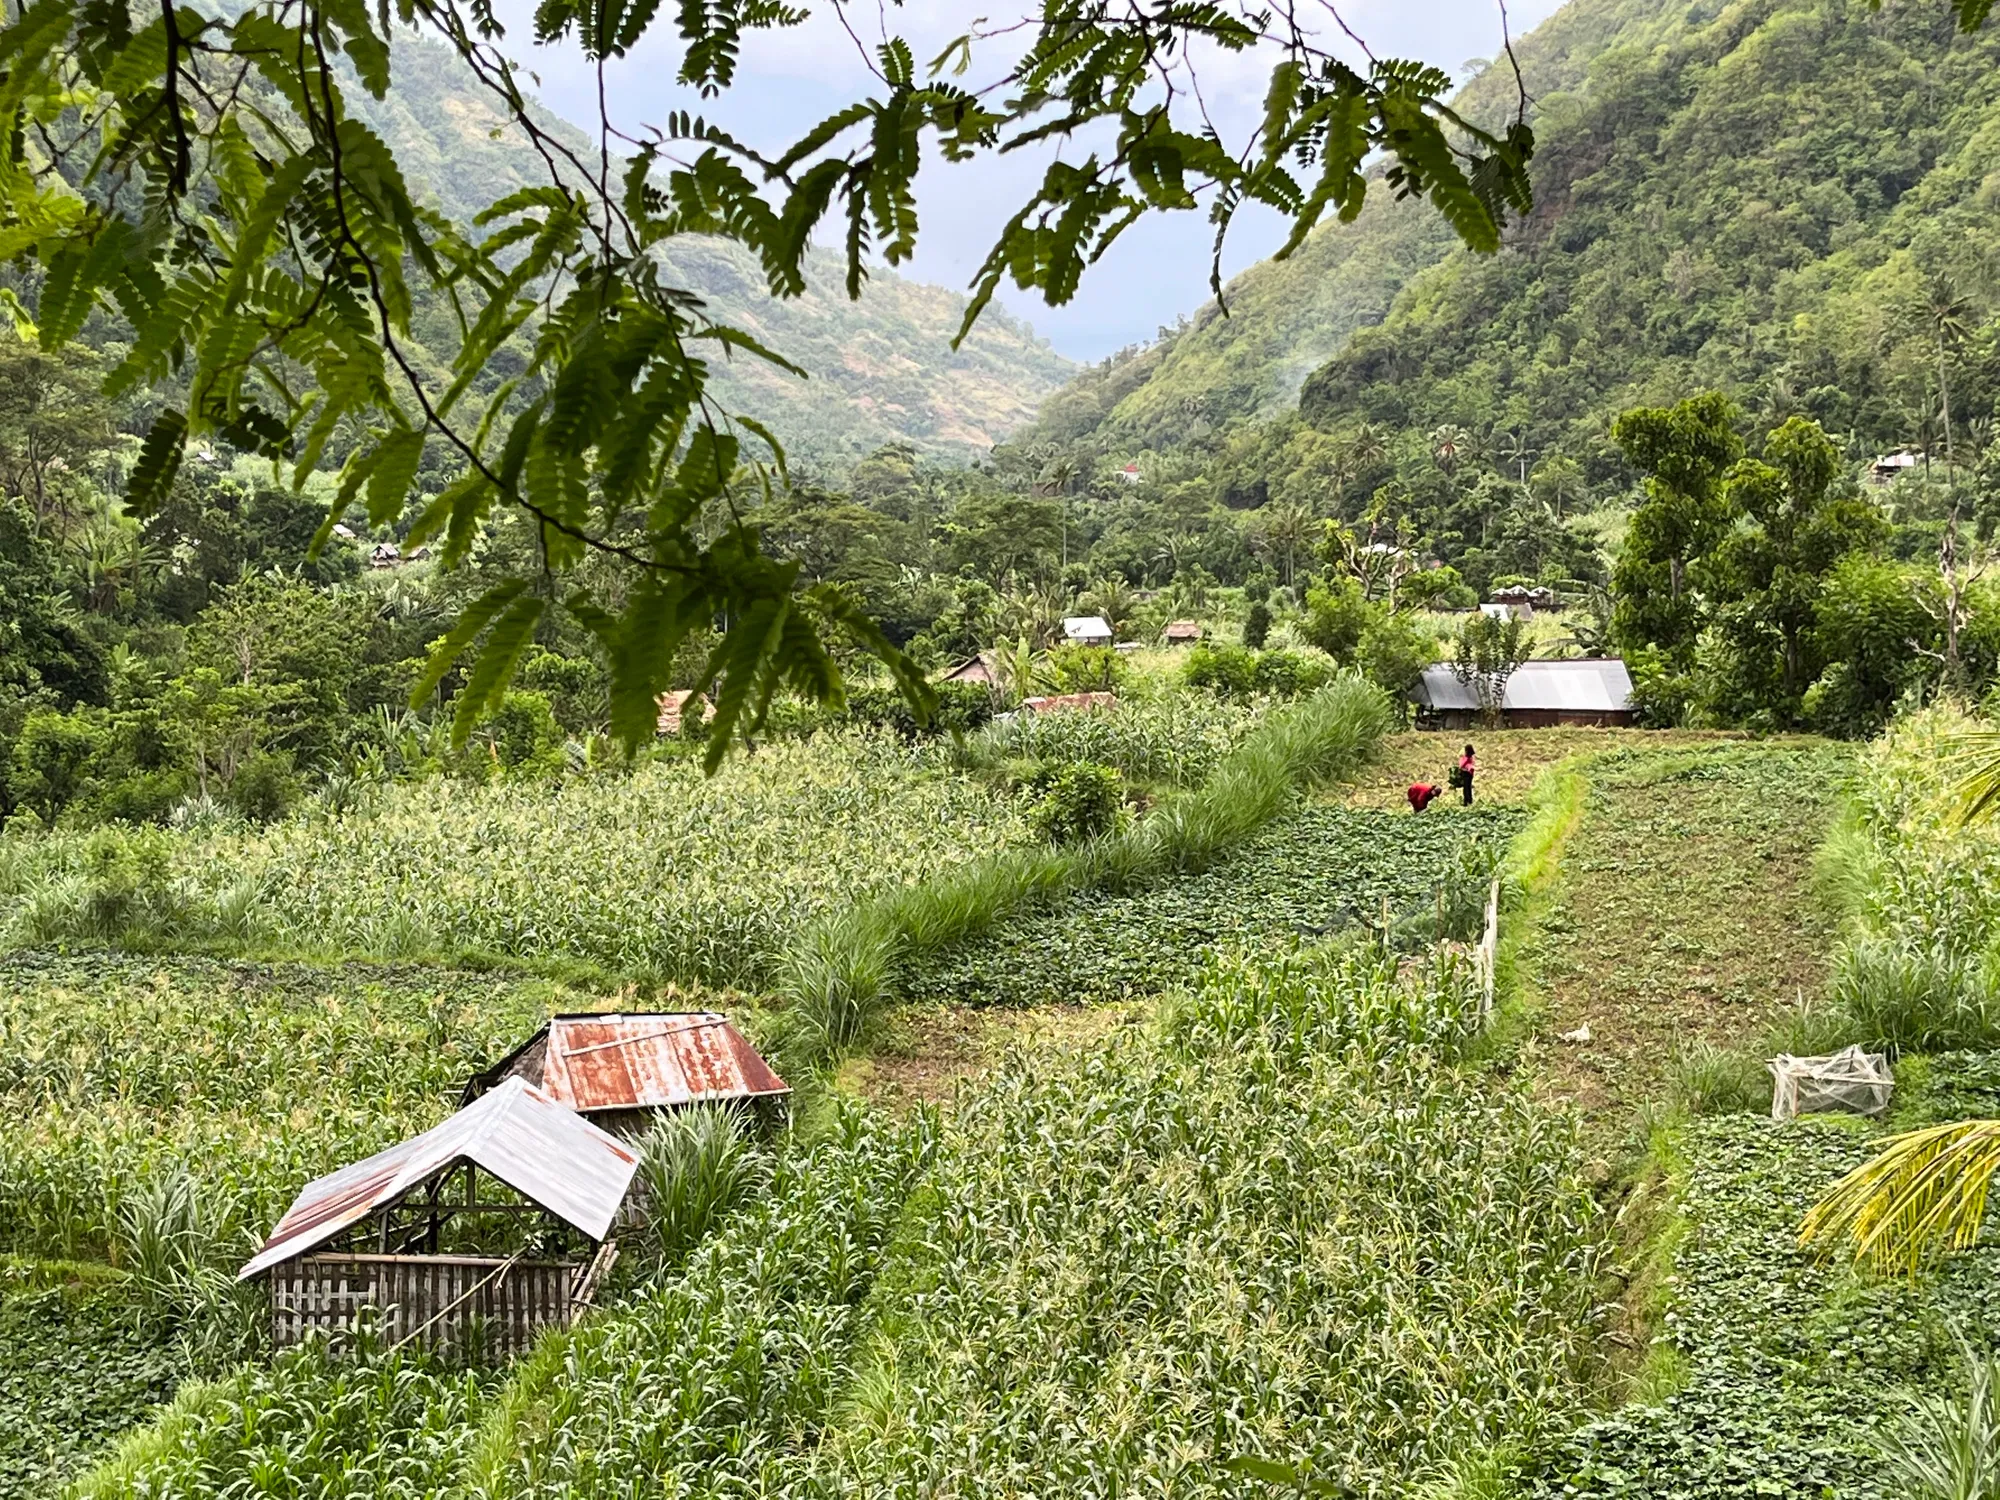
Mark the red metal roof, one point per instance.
(645, 1061)
(1062, 702)
(516, 1133)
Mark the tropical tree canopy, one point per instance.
(194, 171)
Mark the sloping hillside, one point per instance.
(1750, 194)
(882, 368)
(1286, 318)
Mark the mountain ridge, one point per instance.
(1737, 193)
(881, 369)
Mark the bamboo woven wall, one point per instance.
(470, 1306)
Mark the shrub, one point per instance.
(51, 761)
(264, 787)
(1393, 653)
(1257, 626)
(1175, 738)
(1085, 669)
(962, 707)
(1336, 615)
(1237, 672)
(1226, 671)
(574, 687)
(526, 739)
(1076, 802)
(1288, 674)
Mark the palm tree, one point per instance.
(1112, 598)
(1451, 445)
(1924, 1192)
(1512, 449)
(1950, 318)
(1367, 448)
(1287, 528)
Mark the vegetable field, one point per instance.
(1788, 1369)
(1319, 871)
(1300, 1211)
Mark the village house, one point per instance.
(1086, 630)
(1593, 693)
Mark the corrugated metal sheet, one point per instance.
(1584, 687)
(1065, 702)
(1086, 628)
(659, 1060)
(517, 1133)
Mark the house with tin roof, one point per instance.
(1591, 693)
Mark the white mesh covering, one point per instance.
(1849, 1082)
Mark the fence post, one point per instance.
(1489, 945)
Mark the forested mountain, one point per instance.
(1758, 197)
(882, 369)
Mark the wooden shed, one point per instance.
(618, 1069)
(371, 1235)
(1182, 632)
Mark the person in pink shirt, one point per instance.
(1467, 764)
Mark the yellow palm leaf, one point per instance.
(1923, 1194)
(1974, 762)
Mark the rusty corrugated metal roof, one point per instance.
(655, 1060)
(516, 1133)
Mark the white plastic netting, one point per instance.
(1850, 1082)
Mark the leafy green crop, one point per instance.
(1319, 870)
(1792, 1363)
(76, 1368)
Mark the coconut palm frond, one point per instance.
(1924, 1193)
(1974, 761)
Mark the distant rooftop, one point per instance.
(1584, 687)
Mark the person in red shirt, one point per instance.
(1466, 766)
(1420, 795)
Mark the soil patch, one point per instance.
(928, 1050)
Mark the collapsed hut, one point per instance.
(372, 1235)
(620, 1069)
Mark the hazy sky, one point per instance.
(787, 81)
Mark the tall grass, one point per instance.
(841, 972)
(1919, 966)
(693, 1165)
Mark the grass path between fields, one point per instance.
(1676, 912)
